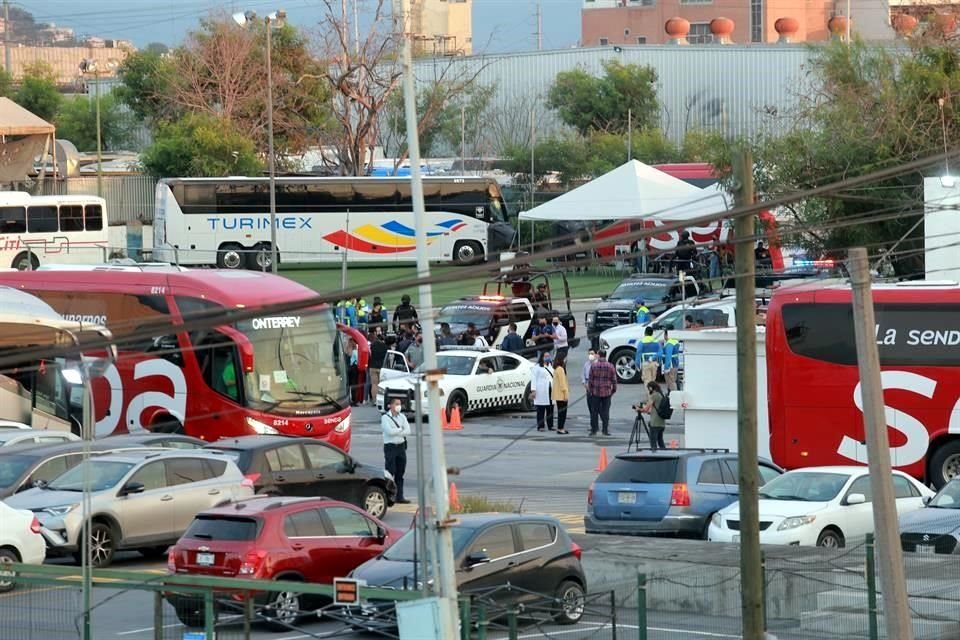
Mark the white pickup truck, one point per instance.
(621, 342)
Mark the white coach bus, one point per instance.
(37, 230)
(226, 221)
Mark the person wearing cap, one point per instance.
(641, 312)
(540, 298)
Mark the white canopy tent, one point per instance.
(633, 190)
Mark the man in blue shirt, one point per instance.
(650, 354)
(671, 360)
(641, 312)
(512, 342)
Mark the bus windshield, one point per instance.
(459, 315)
(297, 366)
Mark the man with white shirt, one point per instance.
(395, 431)
(560, 338)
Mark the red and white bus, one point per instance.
(702, 175)
(813, 385)
(283, 373)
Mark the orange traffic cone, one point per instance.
(454, 499)
(454, 423)
(674, 444)
(602, 463)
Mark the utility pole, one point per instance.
(356, 29)
(463, 139)
(751, 572)
(443, 540)
(539, 27)
(533, 179)
(271, 160)
(890, 556)
(96, 78)
(629, 135)
(6, 37)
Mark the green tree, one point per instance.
(6, 84)
(868, 108)
(38, 92)
(200, 145)
(77, 122)
(145, 85)
(588, 103)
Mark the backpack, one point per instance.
(663, 408)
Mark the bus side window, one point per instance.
(13, 219)
(42, 220)
(71, 217)
(94, 217)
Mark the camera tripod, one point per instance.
(634, 442)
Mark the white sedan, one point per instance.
(476, 379)
(20, 541)
(822, 506)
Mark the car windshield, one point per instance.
(298, 365)
(12, 469)
(405, 549)
(949, 496)
(458, 315)
(651, 292)
(805, 486)
(103, 475)
(454, 365)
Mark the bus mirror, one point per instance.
(244, 347)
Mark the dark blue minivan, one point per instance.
(666, 491)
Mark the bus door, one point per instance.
(221, 354)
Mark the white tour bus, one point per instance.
(226, 221)
(37, 230)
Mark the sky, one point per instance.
(498, 25)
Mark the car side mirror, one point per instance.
(132, 487)
(604, 297)
(381, 534)
(926, 500)
(476, 558)
(39, 484)
(856, 498)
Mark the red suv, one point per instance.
(270, 538)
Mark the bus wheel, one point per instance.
(261, 259)
(467, 252)
(945, 463)
(25, 262)
(167, 425)
(230, 256)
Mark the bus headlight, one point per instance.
(260, 427)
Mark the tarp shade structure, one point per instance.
(633, 190)
(31, 137)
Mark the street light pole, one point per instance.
(96, 78)
(271, 161)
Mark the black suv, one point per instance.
(659, 292)
(503, 559)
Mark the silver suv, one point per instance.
(141, 500)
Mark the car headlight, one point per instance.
(59, 512)
(388, 475)
(717, 520)
(589, 318)
(797, 521)
(379, 391)
(260, 427)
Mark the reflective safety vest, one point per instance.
(650, 350)
(341, 312)
(642, 314)
(671, 353)
(362, 310)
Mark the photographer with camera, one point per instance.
(658, 408)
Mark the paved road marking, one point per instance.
(689, 632)
(145, 629)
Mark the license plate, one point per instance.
(736, 538)
(205, 559)
(926, 548)
(626, 497)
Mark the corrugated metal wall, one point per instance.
(731, 88)
(128, 198)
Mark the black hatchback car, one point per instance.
(936, 527)
(285, 466)
(530, 553)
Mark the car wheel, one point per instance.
(170, 425)
(102, 546)
(230, 256)
(570, 602)
(7, 575)
(282, 611)
(625, 362)
(457, 398)
(375, 501)
(192, 616)
(830, 539)
(153, 553)
(526, 404)
(944, 464)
